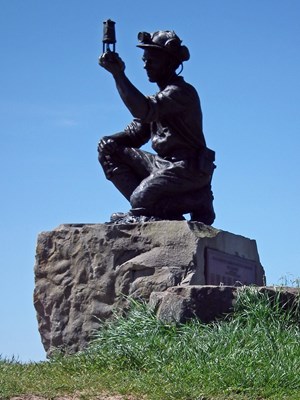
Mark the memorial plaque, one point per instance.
(227, 269)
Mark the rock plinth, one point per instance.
(83, 271)
(207, 303)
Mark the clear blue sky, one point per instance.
(56, 102)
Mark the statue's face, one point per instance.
(157, 64)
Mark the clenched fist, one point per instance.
(112, 63)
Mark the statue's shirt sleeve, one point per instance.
(173, 99)
(175, 111)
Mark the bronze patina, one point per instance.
(176, 179)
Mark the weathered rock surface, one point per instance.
(83, 271)
(207, 303)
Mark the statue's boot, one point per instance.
(201, 206)
(198, 203)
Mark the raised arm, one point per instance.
(134, 100)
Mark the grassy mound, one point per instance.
(252, 354)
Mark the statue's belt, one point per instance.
(202, 159)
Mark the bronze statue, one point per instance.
(176, 180)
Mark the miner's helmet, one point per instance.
(167, 41)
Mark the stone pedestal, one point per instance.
(83, 271)
(180, 304)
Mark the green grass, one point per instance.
(253, 354)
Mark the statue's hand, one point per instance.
(112, 63)
(107, 145)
